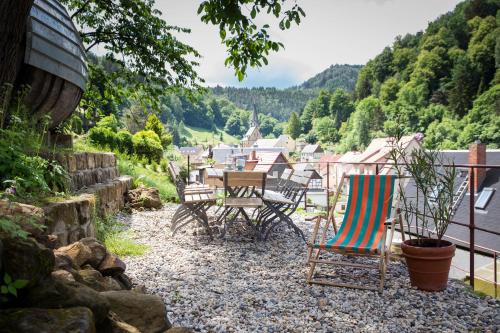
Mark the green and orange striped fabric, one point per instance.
(368, 207)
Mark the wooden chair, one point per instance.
(363, 231)
(240, 193)
(195, 201)
(279, 210)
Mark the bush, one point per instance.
(125, 144)
(147, 145)
(164, 165)
(104, 137)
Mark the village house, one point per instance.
(311, 153)
(272, 163)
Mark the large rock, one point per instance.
(29, 218)
(145, 312)
(117, 325)
(55, 294)
(63, 261)
(146, 197)
(94, 279)
(62, 276)
(78, 252)
(27, 259)
(111, 265)
(30, 320)
(98, 251)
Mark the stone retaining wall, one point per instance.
(71, 220)
(87, 169)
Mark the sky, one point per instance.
(333, 32)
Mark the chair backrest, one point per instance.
(368, 207)
(180, 185)
(284, 178)
(241, 179)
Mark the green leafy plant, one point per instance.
(10, 286)
(429, 210)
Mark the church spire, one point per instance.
(255, 119)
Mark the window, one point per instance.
(315, 183)
(484, 197)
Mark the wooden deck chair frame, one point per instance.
(384, 254)
(195, 201)
(240, 193)
(274, 213)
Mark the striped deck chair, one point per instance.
(363, 231)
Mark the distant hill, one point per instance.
(335, 76)
(280, 103)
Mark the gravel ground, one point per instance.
(239, 285)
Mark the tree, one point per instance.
(294, 126)
(341, 107)
(13, 17)
(154, 124)
(247, 44)
(325, 130)
(463, 87)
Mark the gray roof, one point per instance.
(220, 154)
(487, 218)
(311, 149)
(190, 150)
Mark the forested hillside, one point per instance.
(443, 82)
(334, 77)
(280, 103)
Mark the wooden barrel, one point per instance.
(54, 63)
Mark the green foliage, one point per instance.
(147, 145)
(324, 129)
(124, 140)
(22, 171)
(441, 82)
(103, 137)
(149, 178)
(247, 44)
(10, 287)
(134, 36)
(154, 124)
(294, 126)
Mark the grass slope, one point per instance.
(203, 136)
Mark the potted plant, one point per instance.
(426, 202)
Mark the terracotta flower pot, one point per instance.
(428, 263)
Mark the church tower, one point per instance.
(255, 120)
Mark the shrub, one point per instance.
(103, 136)
(124, 139)
(164, 165)
(147, 145)
(109, 122)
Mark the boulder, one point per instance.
(111, 265)
(29, 218)
(94, 279)
(52, 294)
(146, 197)
(145, 312)
(98, 251)
(124, 281)
(49, 241)
(117, 325)
(63, 261)
(27, 259)
(62, 276)
(78, 252)
(32, 320)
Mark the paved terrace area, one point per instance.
(239, 285)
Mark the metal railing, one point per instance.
(471, 245)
